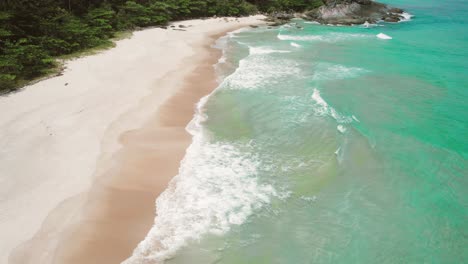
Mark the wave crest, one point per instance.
(322, 108)
(328, 71)
(265, 50)
(215, 189)
(260, 71)
(331, 37)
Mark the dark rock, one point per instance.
(279, 18)
(396, 10)
(278, 23)
(334, 3)
(283, 16)
(349, 12)
(364, 2)
(182, 26)
(391, 19)
(253, 26)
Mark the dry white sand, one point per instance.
(60, 136)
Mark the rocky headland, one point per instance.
(349, 12)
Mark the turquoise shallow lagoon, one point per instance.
(326, 144)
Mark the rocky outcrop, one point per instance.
(279, 18)
(348, 12)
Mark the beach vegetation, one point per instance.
(270, 6)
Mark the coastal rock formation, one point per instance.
(347, 12)
(279, 18)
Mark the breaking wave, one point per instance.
(328, 71)
(331, 37)
(322, 108)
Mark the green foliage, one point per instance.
(7, 81)
(22, 59)
(100, 20)
(133, 14)
(232, 8)
(32, 32)
(5, 31)
(270, 6)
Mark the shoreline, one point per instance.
(105, 224)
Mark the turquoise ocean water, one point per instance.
(329, 145)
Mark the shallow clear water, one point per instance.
(329, 145)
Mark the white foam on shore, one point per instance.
(322, 108)
(234, 33)
(221, 44)
(216, 188)
(383, 36)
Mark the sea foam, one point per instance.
(322, 108)
(265, 50)
(331, 37)
(341, 128)
(383, 36)
(406, 17)
(216, 188)
(294, 44)
(328, 71)
(260, 69)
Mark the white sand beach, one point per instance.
(83, 155)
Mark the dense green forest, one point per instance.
(33, 32)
